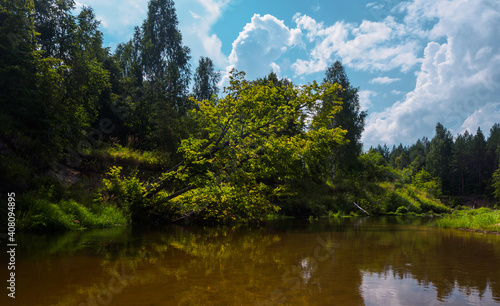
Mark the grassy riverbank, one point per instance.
(482, 219)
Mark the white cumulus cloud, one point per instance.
(396, 92)
(118, 17)
(458, 83)
(370, 46)
(365, 99)
(263, 40)
(196, 28)
(384, 80)
(485, 117)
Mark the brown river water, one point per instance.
(352, 261)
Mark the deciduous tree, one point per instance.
(167, 73)
(246, 153)
(206, 80)
(350, 118)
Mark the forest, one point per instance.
(94, 137)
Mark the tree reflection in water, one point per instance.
(363, 261)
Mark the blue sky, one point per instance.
(415, 62)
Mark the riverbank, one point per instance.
(100, 191)
(481, 220)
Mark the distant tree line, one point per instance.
(465, 164)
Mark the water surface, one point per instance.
(364, 261)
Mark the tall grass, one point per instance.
(477, 219)
(125, 155)
(68, 215)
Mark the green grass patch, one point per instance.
(385, 198)
(43, 215)
(482, 219)
(405, 198)
(112, 155)
(126, 154)
(129, 155)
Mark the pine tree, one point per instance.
(439, 157)
(479, 160)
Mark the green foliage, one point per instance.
(225, 203)
(153, 80)
(425, 181)
(383, 197)
(401, 210)
(248, 147)
(15, 172)
(206, 80)
(405, 176)
(51, 206)
(166, 65)
(375, 167)
(351, 118)
(496, 184)
(265, 146)
(46, 216)
(439, 157)
(52, 80)
(129, 157)
(305, 197)
(128, 193)
(43, 215)
(463, 166)
(476, 219)
(414, 199)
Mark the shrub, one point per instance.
(425, 181)
(402, 210)
(375, 167)
(128, 193)
(44, 215)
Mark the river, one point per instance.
(352, 261)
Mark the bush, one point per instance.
(375, 167)
(44, 215)
(128, 193)
(402, 210)
(425, 181)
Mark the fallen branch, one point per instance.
(408, 208)
(360, 208)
